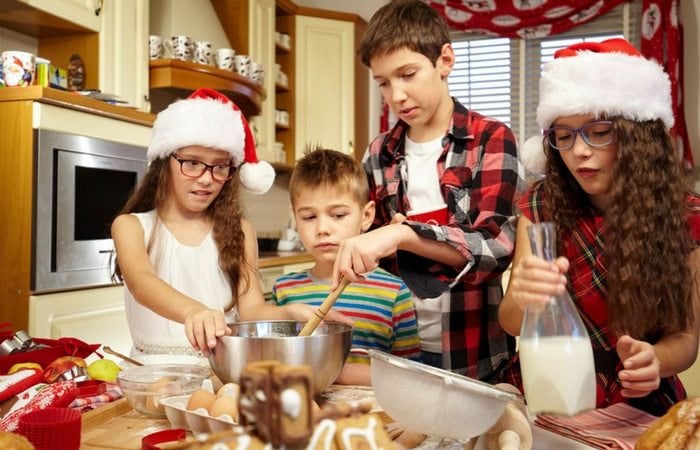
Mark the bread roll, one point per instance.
(678, 429)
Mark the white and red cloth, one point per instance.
(39, 397)
(616, 427)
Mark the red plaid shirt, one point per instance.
(480, 176)
(585, 249)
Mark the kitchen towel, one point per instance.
(615, 427)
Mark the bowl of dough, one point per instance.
(324, 351)
(144, 387)
(433, 401)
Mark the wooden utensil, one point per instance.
(120, 355)
(322, 310)
(513, 430)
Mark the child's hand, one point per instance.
(361, 254)
(203, 327)
(534, 280)
(641, 374)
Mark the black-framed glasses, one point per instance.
(192, 168)
(596, 134)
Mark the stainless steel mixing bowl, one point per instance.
(325, 351)
(433, 401)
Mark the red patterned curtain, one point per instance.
(520, 18)
(661, 32)
(662, 40)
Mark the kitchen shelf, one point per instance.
(172, 79)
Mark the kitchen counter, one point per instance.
(277, 258)
(118, 427)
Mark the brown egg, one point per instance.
(230, 390)
(158, 390)
(224, 405)
(200, 399)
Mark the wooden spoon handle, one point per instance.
(120, 355)
(322, 310)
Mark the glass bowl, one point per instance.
(145, 386)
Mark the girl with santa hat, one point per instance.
(186, 254)
(628, 228)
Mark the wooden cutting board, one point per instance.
(117, 426)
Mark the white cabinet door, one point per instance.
(261, 23)
(95, 316)
(81, 12)
(325, 89)
(124, 51)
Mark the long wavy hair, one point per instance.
(646, 235)
(226, 212)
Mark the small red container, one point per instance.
(52, 428)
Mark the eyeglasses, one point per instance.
(194, 169)
(595, 134)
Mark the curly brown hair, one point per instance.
(647, 240)
(410, 24)
(226, 212)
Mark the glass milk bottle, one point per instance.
(556, 357)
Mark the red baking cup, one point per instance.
(52, 428)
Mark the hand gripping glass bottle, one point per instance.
(556, 357)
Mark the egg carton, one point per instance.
(198, 421)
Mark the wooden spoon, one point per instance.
(120, 355)
(322, 310)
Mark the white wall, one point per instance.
(194, 18)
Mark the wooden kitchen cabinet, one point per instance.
(111, 40)
(84, 13)
(123, 49)
(324, 85)
(327, 97)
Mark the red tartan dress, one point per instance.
(584, 249)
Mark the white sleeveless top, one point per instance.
(194, 271)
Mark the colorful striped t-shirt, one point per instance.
(380, 305)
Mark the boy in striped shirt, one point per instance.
(330, 202)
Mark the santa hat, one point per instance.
(609, 78)
(209, 119)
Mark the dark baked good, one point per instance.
(678, 429)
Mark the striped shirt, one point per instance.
(381, 307)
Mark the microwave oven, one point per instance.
(81, 185)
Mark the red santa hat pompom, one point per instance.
(210, 119)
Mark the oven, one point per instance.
(81, 185)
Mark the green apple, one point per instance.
(103, 370)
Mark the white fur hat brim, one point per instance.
(200, 121)
(209, 119)
(604, 85)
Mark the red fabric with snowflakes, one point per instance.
(56, 395)
(520, 18)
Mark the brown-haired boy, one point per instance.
(444, 181)
(330, 202)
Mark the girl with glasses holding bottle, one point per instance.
(186, 254)
(627, 227)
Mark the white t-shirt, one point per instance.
(423, 192)
(194, 271)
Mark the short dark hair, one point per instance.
(404, 23)
(321, 168)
